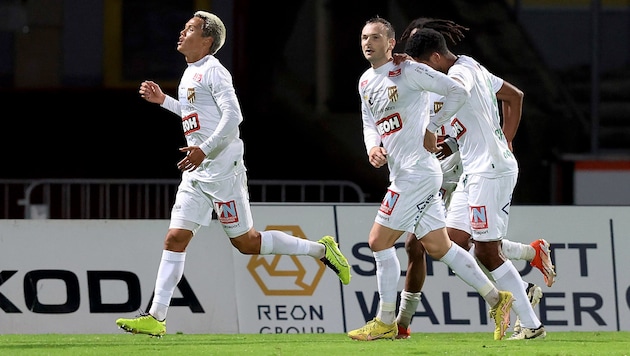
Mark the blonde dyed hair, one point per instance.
(212, 27)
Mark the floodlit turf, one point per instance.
(556, 343)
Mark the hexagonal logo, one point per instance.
(283, 274)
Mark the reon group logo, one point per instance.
(286, 275)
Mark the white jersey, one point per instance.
(395, 113)
(482, 144)
(210, 114)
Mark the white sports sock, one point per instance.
(507, 278)
(275, 242)
(517, 251)
(408, 305)
(466, 268)
(387, 276)
(169, 274)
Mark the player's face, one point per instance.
(190, 40)
(375, 45)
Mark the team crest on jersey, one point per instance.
(226, 211)
(197, 77)
(392, 94)
(437, 106)
(190, 95)
(363, 83)
(478, 218)
(389, 202)
(458, 128)
(394, 73)
(191, 123)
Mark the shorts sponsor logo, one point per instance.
(389, 201)
(226, 211)
(478, 217)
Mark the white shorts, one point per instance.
(195, 201)
(481, 206)
(413, 206)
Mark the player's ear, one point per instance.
(208, 41)
(392, 44)
(435, 57)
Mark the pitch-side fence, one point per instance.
(145, 198)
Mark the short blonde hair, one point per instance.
(212, 27)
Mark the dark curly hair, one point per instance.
(447, 28)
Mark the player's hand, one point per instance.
(448, 146)
(378, 157)
(194, 157)
(430, 142)
(400, 57)
(151, 92)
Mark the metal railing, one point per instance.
(145, 198)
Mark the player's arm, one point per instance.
(151, 92)
(512, 107)
(455, 93)
(454, 90)
(377, 155)
(224, 94)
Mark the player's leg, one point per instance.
(389, 225)
(489, 225)
(383, 326)
(191, 209)
(270, 242)
(538, 253)
(534, 294)
(438, 246)
(414, 280)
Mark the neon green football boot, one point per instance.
(144, 324)
(335, 259)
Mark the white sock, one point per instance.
(169, 274)
(517, 251)
(408, 305)
(466, 268)
(275, 242)
(507, 278)
(387, 276)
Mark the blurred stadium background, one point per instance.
(70, 70)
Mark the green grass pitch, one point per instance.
(556, 343)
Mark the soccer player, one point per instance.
(537, 252)
(213, 172)
(394, 110)
(480, 204)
